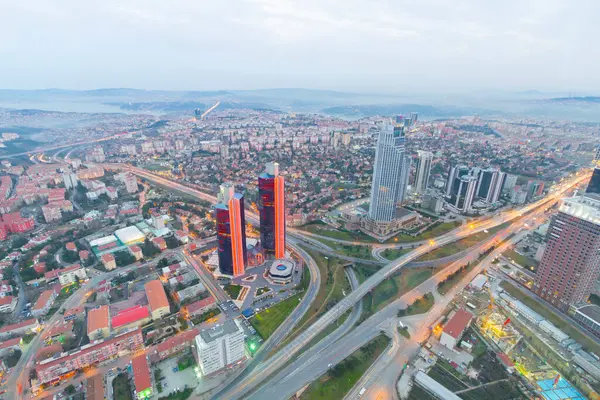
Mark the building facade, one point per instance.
(389, 174)
(271, 208)
(231, 231)
(423, 171)
(570, 265)
(463, 193)
(220, 347)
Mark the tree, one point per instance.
(70, 389)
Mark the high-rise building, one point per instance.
(70, 180)
(489, 185)
(389, 173)
(414, 116)
(455, 172)
(423, 171)
(509, 182)
(271, 207)
(570, 265)
(220, 346)
(231, 231)
(594, 185)
(463, 193)
(534, 189)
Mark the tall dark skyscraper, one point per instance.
(231, 231)
(594, 185)
(271, 207)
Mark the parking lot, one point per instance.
(173, 379)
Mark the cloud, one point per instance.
(394, 45)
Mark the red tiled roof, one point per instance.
(74, 311)
(200, 304)
(43, 299)
(97, 319)
(95, 388)
(141, 373)
(156, 295)
(6, 300)
(177, 340)
(29, 322)
(129, 316)
(135, 248)
(59, 329)
(458, 323)
(91, 348)
(108, 258)
(10, 343)
(505, 360)
(48, 351)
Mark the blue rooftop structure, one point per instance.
(248, 312)
(562, 391)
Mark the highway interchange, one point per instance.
(261, 379)
(252, 380)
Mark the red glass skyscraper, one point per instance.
(231, 231)
(271, 207)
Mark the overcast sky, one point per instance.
(358, 45)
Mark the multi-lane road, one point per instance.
(252, 379)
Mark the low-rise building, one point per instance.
(10, 345)
(67, 275)
(8, 304)
(94, 388)
(142, 378)
(98, 323)
(157, 299)
(94, 353)
(454, 328)
(181, 236)
(587, 315)
(43, 303)
(220, 346)
(173, 345)
(108, 260)
(20, 329)
(190, 292)
(136, 251)
(133, 317)
(160, 243)
(201, 306)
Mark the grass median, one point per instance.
(333, 286)
(267, 321)
(340, 379)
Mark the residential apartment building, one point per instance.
(220, 346)
(570, 264)
(49, 371)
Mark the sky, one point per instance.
(352, 45)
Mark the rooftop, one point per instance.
(141, 373)
(582, 207)
(97, 319)
(458, 323)
(43, 299)
(27, 323)
(591, 311)
(216, 332)
(129, 234)
(156, 295)
(95, 388)
(130, 315)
